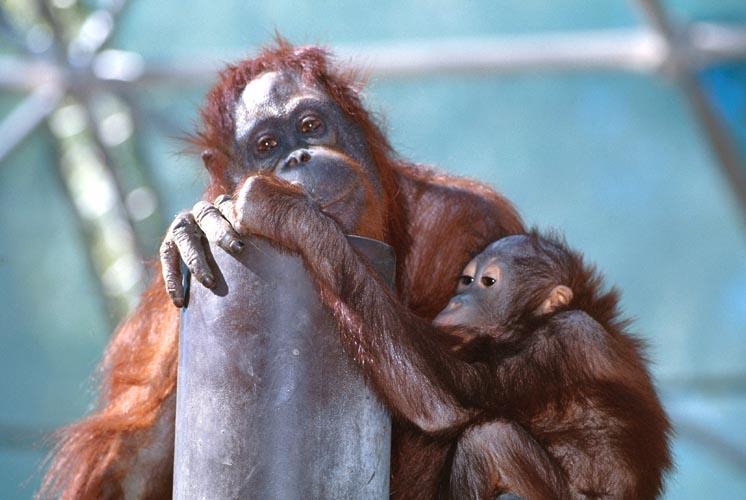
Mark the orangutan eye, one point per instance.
(466, 280)
(487, 281)
(266, 143)
(311, 124)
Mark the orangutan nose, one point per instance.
(454, 303)
(451, 314)
(296, 157)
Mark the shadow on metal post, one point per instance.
(268, 403)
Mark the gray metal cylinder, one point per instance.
(268, 404)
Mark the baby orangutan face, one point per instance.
(500, 284)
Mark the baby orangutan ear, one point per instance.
(558, 297)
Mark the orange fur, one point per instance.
(436, 223)
(139, 373)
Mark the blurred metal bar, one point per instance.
(689, 428)
(111, 166)
(713, 43)
(59, 38)
(138, 140)
(634, 50)
(656, 17)
(85, 231)
(95, 32)
(27, 116)
(10, 33)
(708, 384)
(680, 66)
(722, 144)
(639, 50)
(24, 74)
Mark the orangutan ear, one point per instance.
(558, 297)
(208, 158)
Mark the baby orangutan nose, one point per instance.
(455, 313)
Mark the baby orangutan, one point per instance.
(584, 420)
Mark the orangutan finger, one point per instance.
(215, 226)
(171, 269)
(187, 236)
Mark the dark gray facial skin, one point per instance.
(486, 290)
(291, 129)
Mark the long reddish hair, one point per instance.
(138, 371)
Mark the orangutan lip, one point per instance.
(347, 192)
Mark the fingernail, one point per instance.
(179, 301)
(209, 281)
(237, 246)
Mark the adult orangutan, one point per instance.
(291, 114)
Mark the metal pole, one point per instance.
(723, 146)
(269, 405)
(27, 116)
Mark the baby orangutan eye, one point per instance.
(487, 281)
(466, 280)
